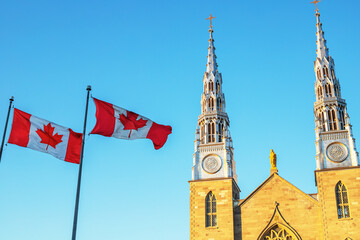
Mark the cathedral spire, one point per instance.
(211, 65)
(213, 157)
(322, 51)
(335, 145)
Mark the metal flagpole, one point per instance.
(80, 168)
(6, 124)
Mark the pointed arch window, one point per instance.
(320, 92)
(211, 132)
(328, 90)
(342, 200)
(220, 131)
(211, 86)
(332, 119)
(341, 118)
(217, 87)
(202, 133)
(210, 208)
(326, 71)
(335, 90)
(279, 232)
(323, 121)
(218, 104)
(211, 104)
(332, 73)
(318, 72)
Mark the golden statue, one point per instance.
(273, 162)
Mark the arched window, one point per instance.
(320, 92)
(211, 104)
(332, 119)
(202, 133)
(341, 118)
(332, 73)
(328, 90)
(210, 208)
(211, 86)
(279, 232)
(318, 72)
(323, 121)
(335, 90)
(220, 131)
(326, 71)
(217, 87)
(342, 200)
(211, 132)
(218, 104)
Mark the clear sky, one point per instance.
(150, 57)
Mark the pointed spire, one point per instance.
(322, 50)
(211, 65)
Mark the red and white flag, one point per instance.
(44, 136)
(114, 121)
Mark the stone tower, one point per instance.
(213, 157)
(338, 171)
(213, 188)
(335, 145)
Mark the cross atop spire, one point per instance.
(316, 2)
(210, 18)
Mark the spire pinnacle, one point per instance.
(211, 65)
(322, 50)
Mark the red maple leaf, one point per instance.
(130, 122)
(47, 136)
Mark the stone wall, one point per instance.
(333, 227)
(223, 191)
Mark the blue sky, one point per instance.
(149, 57)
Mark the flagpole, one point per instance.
(6, 124)
(80, 168)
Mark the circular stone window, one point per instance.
(211, 164)
(336, 152)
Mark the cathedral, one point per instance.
(276, 210)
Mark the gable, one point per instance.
(300, 210)
(277, 187)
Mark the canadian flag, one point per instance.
(44, 136)
(114, 121)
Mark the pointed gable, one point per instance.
(300, 210)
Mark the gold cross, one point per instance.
(210, 18)
(316, 2)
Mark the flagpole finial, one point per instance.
(88, 88)
(316, 2)
(210, 18)
(11, 98)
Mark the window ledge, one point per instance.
(345, 219)
(211, 227)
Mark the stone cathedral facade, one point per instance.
(276, 210)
